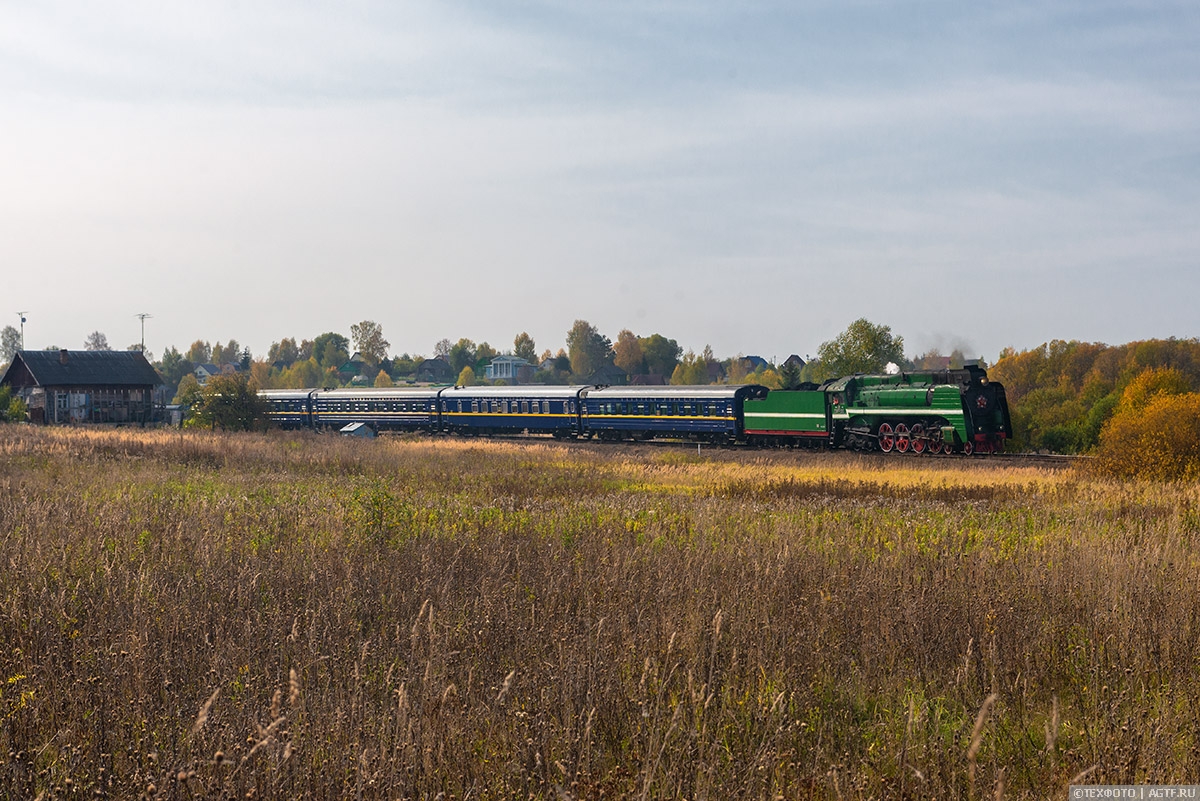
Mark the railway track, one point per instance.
(1047, 459)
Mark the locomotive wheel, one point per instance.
(887, 439)
(936, 443)
(918, 439)
(968, 448)
(902, 438)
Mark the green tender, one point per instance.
(788, 412)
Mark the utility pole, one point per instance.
(143, 317)
(22, 314)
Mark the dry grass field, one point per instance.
(189, 615)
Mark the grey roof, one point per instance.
(674, 392)
(377, 393)
(536, 392)
(86, 368)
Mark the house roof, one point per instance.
(756, 362)
(435, 364)
(84, 367)
(608, 374)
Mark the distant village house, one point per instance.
(83, 386)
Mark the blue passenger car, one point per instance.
(711, 413)
(289, 408)
(390, 409)
(511, 410)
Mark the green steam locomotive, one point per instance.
(942, 411)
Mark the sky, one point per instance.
(753, 176)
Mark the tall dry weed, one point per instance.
(298, 616)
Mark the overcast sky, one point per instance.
(749, 175)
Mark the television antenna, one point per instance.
(22, 314)
(143, 317)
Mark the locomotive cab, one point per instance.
(986, 409)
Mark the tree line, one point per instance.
(1064, 396)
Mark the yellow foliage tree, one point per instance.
(767, 377)
(1158, 441)
(383, 380)
(1151, 383)
(692, 371)
(467, 377)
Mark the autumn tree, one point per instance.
(524, 348)
(1061, 393)
(229, 402)
(12, 407)
(863, 347)
(405, 365)
(173, 368)
(466, 377)
(1153, 435)
(229, 353)
(96, 341)
(589, 349)
(303, 374)
(462, 354)
(10, 343)
(369, 342)
(691, 371)
(484, 355)
(661, 354)
(383, 380)
(331, 350)
(442, 349)
(627, 353)
(1151, 383)
(199, 352)
(188, 391)
(766, 377)
(284, 352)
